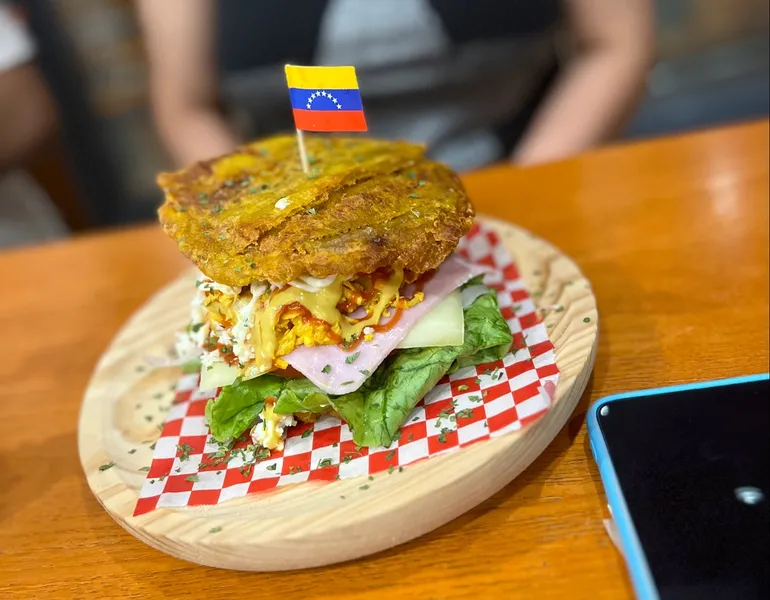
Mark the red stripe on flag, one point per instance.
(329, 120)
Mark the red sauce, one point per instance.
(379, 328)
(226, 352)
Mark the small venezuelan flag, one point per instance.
(325, 98)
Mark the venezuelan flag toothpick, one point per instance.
(324, 99)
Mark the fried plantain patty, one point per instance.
(254, 215)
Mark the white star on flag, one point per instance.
(333, 99)
(339, 106)
(323, 94)
(308, 105)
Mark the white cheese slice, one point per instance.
(442, 326)
(218, 374)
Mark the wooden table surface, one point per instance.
(673, 234)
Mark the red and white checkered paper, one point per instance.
(469, 406)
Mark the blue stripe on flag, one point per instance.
(325, 99)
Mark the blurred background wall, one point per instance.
(712, 68)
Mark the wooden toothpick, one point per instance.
(302, 152)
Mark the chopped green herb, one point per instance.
(352, 358)
(466, 413)
(253, 190)
(462, 388)
(400, 469)
(306, 433)
(421, 183)
(148, 418)
(347, 458)
(132, 450)
(193, 478)
(215, 530)
(195, 328)
(271, 467)
(474, 398)
(484, 393)
(253, 265)
(414, 195)
(348, 383)
(587, 320)
(335, 444)
(371, 478)
(391, 468)
(411, 175)
(390, 455)
(326, 369)
(410, 438)
(325, 462)
(364, 487)
(185, 450)
(109, 465)
(152, 446)
(144, 469)
(364, 372)
(294, 470)
(311, 211)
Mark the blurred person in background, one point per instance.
(476, 81)
(27, 122)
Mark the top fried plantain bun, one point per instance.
(254, 215)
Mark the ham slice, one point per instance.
(343, 377)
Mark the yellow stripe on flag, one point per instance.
(336, 78)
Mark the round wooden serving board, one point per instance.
(314, 524)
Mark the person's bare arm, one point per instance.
(600, 86)
(27, 115)
(179, 36)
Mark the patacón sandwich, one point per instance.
(332, 292)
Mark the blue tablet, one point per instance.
(686, 473)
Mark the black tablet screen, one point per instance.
(693, 467)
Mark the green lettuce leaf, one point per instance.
(379, 408)
(238, 405)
